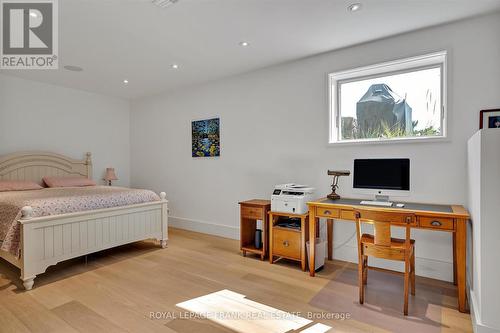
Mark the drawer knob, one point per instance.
(408, 219)
(327, 212)
(286, 244)
(436, 223)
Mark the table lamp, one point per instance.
(335, 182)
(110, 175)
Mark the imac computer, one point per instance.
(382, 178)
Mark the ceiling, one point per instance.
(135, 40)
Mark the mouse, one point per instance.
(400, 205)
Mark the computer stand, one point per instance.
(381, 197)
(380, 200)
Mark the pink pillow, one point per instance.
(68, 181)
(18, 185)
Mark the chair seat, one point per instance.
(397, 250)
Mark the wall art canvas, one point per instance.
(205, 137)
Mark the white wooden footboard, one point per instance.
(45, 241)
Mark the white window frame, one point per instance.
(432, 60)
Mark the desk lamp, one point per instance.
(110, 176)
(336, 174)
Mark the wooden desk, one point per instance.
(450, 218)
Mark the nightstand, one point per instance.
(250, 212)
(286, 242)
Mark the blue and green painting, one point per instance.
(206, 137)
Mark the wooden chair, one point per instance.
(382, 245)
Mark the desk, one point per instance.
(449, 218)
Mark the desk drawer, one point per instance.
(252, 213)
(347, 215)
(330, 213)
(436, 223)
(286, 243)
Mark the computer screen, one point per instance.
(383, 174)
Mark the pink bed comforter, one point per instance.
(55, 201)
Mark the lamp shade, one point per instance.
(110, 174)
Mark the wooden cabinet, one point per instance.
(250, 212)
(287, 242)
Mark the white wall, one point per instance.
(275, 129)
(490, 228)
(484, 197)
(474, 163)
(39, 116)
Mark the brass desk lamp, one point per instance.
(336, 175)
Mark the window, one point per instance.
(399, 100)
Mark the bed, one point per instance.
(110, 217)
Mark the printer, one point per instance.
(291, 198)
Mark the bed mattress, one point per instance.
(56, 201)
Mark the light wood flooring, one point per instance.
(116, 290)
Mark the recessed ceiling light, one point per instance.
(354, 7)
(73, 68)
(33, 14)
(244, 44)
(125, 81)
(174, 66)
(163, 3)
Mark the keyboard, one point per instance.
(376, 203)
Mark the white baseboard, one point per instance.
(475, 317)
(435, 269)
(204, 227)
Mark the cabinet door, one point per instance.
(286, 243)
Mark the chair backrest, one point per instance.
(382, 224)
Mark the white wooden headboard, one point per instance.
(36, 165)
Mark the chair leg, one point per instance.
(412, 276)
(365, 270)
(360, 282)
(407, 282)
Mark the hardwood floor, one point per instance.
(117, 290)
